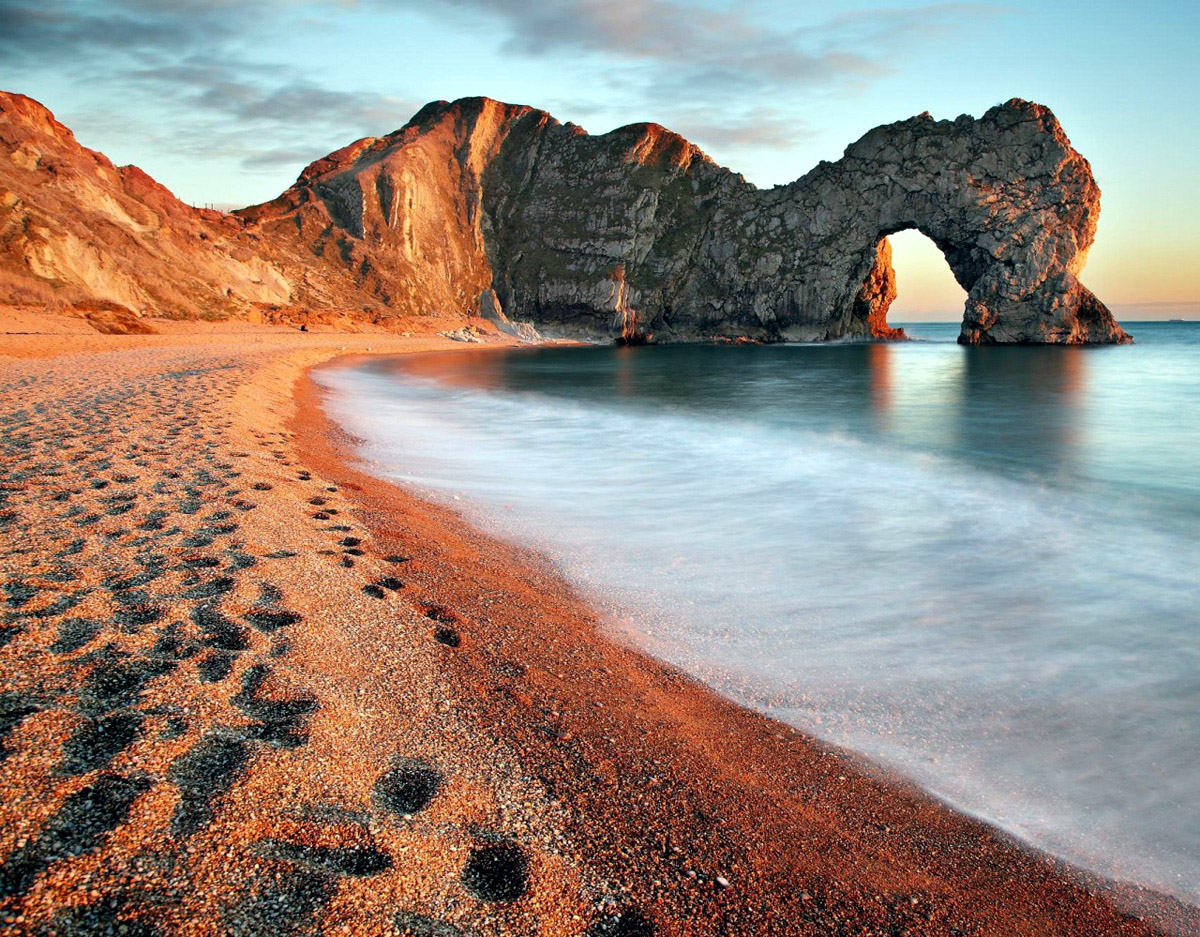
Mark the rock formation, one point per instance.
(77, 230)
(478, 207)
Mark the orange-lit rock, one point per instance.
(478, 206)
(75, 228)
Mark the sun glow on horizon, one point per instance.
(925, 288)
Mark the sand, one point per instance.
(247, 688)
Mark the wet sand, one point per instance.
(246, 688)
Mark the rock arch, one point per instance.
(528, 218)
(1010, 204)
(477, 205)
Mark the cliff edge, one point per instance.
(479, 207)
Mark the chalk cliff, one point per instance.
(479, 207)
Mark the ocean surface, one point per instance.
(979, 566)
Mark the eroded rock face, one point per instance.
(478, 207)
(583, 234)
(77, 230)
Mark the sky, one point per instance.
(225, 101)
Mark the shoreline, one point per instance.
(783, 748)
(285, 633)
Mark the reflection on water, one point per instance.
(879, 367)
(1013, 408)
(975, 564)
(1023, 405)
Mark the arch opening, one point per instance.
(926, 288)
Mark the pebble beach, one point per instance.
(247, 688)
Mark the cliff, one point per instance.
(478, 207)
(77, 230)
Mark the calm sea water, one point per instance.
(978, 566)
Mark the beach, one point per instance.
(250, 688)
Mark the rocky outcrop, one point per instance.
(76, 230)
(478, 207)
(638, 231)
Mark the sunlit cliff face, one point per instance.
(614, 236)
(625, 316)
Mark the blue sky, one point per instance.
(225, 101)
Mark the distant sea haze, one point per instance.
(1157, 312)
(975, 565)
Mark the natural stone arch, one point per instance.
(518, 215)
(1006, 199)
(482, 206)
(926, 286)
(879, 288)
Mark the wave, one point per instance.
(1026, 651)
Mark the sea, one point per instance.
(979, 567)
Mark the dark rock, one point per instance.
(96, 742)
(446, 635)
(413, 924)
(171, 645)
(219, 631)
(109, 915)
(80, 826)
(281, 722)
(174, 728)
(134, 618)
(333, 860)
(210, 589)
(15, 706)
(115, 683)
(200, 562)
(439, 614)
(282, 905)
(74, 633)
(245, 560)
(215, 666)
(64, 603)
(269, 594)
(18, 593)
(272, 621)
(628, 923)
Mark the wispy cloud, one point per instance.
(738, 45)
(756, 129)
(204, 62)
(716, 65)
(729, 75)
(83, 29)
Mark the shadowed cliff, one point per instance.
(478, 207)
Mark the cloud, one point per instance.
(722, 76)
(254, 99)
(761, 128)
(77, 30)
(280, 156)
(730, 75)
(731, 49)
(202, 64)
